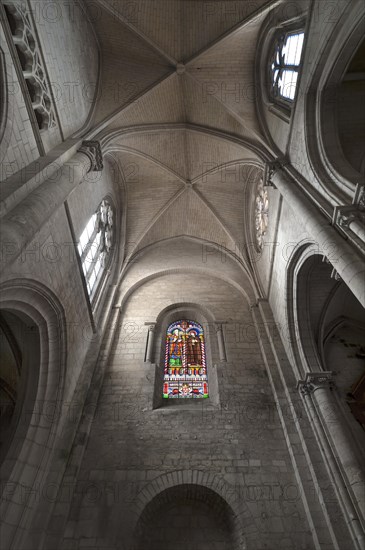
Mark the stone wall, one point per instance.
(236, 447)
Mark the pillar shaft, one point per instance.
(344, 258)
(328, 408)
(221, 345)
(318, 388)
(357, 229)
(21, 224)
(150, 343)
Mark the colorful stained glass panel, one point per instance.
(185, 374)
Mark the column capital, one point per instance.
(344, 215)
(92, 149)
(270, 169)
(315, 380)
(151, 326)
(350, 218)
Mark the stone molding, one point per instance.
(351, 218)
(315, 380)
(92, 149)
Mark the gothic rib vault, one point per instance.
(227, 212)
(191, 129)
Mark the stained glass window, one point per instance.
(95, 245)
(185, 373)
(285, 64)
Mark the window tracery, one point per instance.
(261, 214)
(29, 56)
(95, 245)
(185, 374)
(285, 65)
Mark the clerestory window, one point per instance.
(285, 65)
(95, 245)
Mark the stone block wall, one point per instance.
(51, 259)
(236, 449)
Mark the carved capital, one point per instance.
(151, 326)
(344, 220)
(92, 150)
(271, 168)
(344, 216)
(315, 380)
(218, 327)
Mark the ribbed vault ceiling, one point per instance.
(177, 112)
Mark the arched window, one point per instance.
(261, 214)
(10, 371)
(285, 65)
(95, 245)
(185, 373)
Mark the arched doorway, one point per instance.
(19, 372)
(330, 325)
(187, 517)
(33, 330)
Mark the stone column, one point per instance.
(221, 344)
(346, 260)
(21, 224)
(150, 342)
(317, 388)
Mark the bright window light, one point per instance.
(95, 244)
(285, 65)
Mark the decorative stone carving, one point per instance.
(92, 149)
(28, 50)
(315, 380)
(345, 215)
(344, 220)
(104, 224)
(270, 169)
(218, 327)
(351, 218)
(261, 213)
